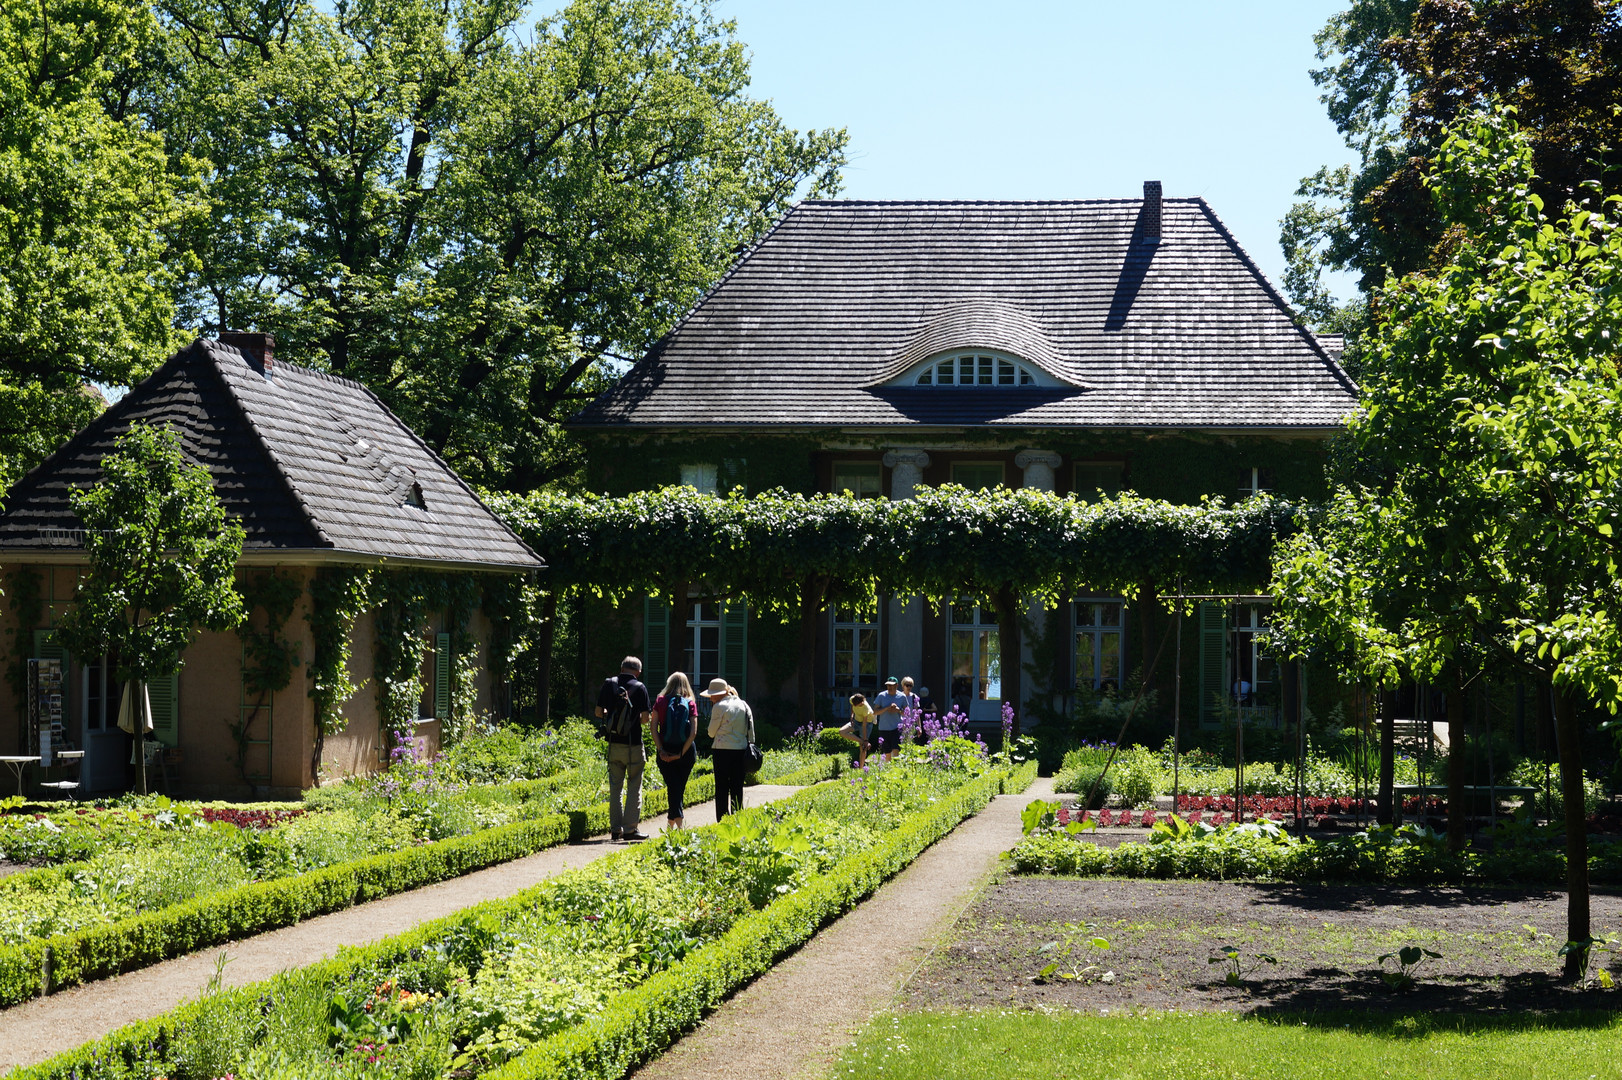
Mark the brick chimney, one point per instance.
(260, 349)
(1149, 220)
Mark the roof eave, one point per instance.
(59, 556)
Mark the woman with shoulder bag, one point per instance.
(674, 726)
(732, 731)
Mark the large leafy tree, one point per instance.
(86, 280)
(1478, 499)
(1397, 73)
(162, 554)
(477, 223)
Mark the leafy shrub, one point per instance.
(1080, 780)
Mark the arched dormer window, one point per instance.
(978, 368)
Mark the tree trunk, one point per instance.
(1457, 804)
(812, 590)
(1388, 755)
(543, 662)
(1008, 648)
(1569, 735)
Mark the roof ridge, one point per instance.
(209, 346)
(815, 203)
(1278, 298)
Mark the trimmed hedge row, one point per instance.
(34, 969)
(645, 1020)
(136, 1048)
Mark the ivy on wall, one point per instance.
(338, 596)
(268, 655)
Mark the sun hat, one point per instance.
(717, 686)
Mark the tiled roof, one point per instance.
(1185, 332)
(313, 465)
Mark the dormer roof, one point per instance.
(810, 328)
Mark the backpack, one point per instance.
(678, 722)
(622, 720)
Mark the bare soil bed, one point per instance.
(1498, 948)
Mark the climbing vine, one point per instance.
(338, 596)
(405, 599)
(268, 655)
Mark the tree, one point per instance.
(162, 556)
(1479, 493)
(1398, 74)
(86, 282)
(478, 227)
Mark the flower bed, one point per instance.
(1216, 850)
(587, 974)
(67, 927)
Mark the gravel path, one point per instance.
(38, 1029)
(794, 1020)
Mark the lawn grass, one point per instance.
(1020, 1045)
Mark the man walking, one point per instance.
(623, 702)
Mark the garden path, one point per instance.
(39, 1029)
(793, 1021)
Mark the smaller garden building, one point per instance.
(374, 578)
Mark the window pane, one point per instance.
(1005, 373)
(926, 377)
(990, 666)
(962, 614)
(844, 640)
(977, 475)
(860, 479)
(1086, 662)
(985, 371)
(706, 478)
(1026, 378)
(842, 668)
(1109, 659)
(1094, 477)
(869, 641)
(962, 653)
(944, 369)
(1109, 614)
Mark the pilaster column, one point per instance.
(906, 616)
(906, 471)
(1038, 466)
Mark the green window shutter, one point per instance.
(46, 647)
(1213, 623)
(442, 676)
(656, 640)
(735, 645)
(163, 693)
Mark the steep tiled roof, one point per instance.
(1185, 332)
(313, 465)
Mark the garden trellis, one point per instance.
(795, 554)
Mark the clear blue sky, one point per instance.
(1028, 99)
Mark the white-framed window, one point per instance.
(1099, 652)
(859, 478)
(1255, 674)
(976, 475)
(976, 658)
(1254, 481)
(985, 369)
(854, 651)
(704, 644)
(1095, 478)
(705, 478)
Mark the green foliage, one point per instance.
(1083, 778)
(338, 596)
(521, 204)
(1230, 957)
(1405, 962)
(1069, 956)
(630, 918)
(162, 558)
(23, 597)
(85, 202)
